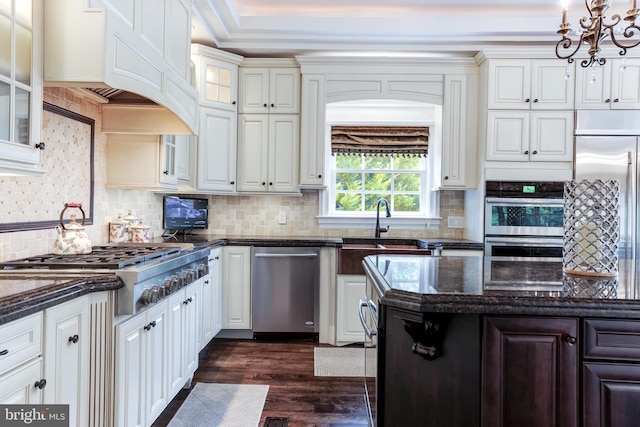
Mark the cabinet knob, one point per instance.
(271, 183)
(527, 100)
(264, 105)
(273, 105)
(526, 152)
(607, 100)
(446, 177)
(74, 339)
(40, 384)
(165, 172)
(39, 145)
(616, 100)
(535, 100)
(264, 183)
(232, 182)
(534, 152)
(571, 340)
(320, 176)
(4, 352)
(233, 103)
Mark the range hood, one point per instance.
(140, 71)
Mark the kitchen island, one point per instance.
(473, 341)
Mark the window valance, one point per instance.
(380, 140)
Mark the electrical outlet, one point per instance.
(282, 217)
(456, 222)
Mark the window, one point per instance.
(357, 181)
(360, 181)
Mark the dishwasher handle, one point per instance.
(268, 255)
(372, 310)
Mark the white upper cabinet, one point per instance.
(20, 86)
(217, 142)
(216, 76)
(139, 46)
(518, 136)
(615, 85)
(523, 84)
(268, 146)
(269, 89)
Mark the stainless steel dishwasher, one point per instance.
(285, 290)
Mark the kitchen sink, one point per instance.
(353, 251)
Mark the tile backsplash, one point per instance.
(250, 216)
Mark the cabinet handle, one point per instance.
(616, 100)
(571, 340)
(40, 384)
(147, 327)
(526, 152)
(39, 145)
(273, 105)
(166, 172)
(534, 152)
(4, 352)
(187, 301)
(206, 281)
(232, 182)
(607, 100)
(527, 100)
(74, 339)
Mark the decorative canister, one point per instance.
(139, 233)
(591, 227)
(118, 230)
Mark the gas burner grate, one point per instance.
(108, 257)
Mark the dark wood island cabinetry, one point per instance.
(460, 347)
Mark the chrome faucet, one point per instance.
(384, 202)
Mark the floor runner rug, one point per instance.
(342, 361)
(222, 405)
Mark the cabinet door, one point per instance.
(284, 90)
(168, 160)
(611, 395)
(21, 87)
(593, 87)
(236, 287)
(218, 82)
(625, 83)
(184, 166)
(215, 271)
(313, 147)
(530, 372)
(253, 90)
(17, 386)
(191, 326)
(130, 384)
(509, 84)
(217, 150)
(551, 136)
(177, 33)
(175, 365)
(67, 342)
(550, 87)
(253, 151)
(508, 136)
(284, 143)
(206, 310)
(156, 351)
(351, 289)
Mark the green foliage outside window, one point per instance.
(362, 180)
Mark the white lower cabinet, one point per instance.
(211, 318)
(351, 289)
(183, 339)
(66, 362)
(142, 357)
(21, 362)
(236, 287)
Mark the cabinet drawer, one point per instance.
(612, 339)
(20, 340)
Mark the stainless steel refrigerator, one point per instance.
(606, 147)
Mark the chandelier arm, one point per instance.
(629, 32)
(565, 44)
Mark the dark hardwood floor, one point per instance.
(287, 367)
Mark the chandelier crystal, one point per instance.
(594, 30)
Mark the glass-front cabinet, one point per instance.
(20, 86)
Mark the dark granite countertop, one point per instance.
(499, 286)
(24, 295)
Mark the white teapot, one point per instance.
(72, 240)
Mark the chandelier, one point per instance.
(594, 30)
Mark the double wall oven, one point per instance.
(524, 219)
